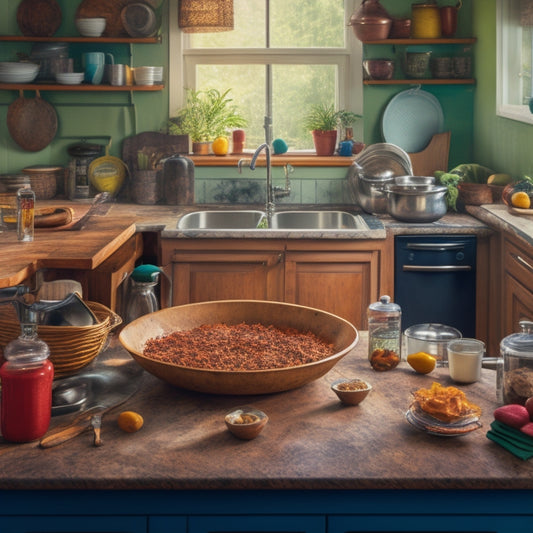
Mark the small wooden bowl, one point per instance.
(236, 422)
(352, 396)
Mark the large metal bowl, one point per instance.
(416, 203)
(329, 327)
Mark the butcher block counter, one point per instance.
(316, 460)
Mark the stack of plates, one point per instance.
(91, 27)
(433, 426)
(70, 78)
(18, 72)
(147, 75)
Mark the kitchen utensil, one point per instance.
(18, 71)
(73, 311)
(325, 325)
(32, 122)
(139, 20)
(99, 206)
(70, 78)
(400, 29)
(178, 180)
(94, 65)
(411, 119)
(44, 180)
(465, 358)
(448, 20)
(90, 26)
(474, 193)
(371, 21)
(416, 203)
(39, 18)
(239, 425)
(379, 69)
(414, 180)
(107, 173)
(108, 383)
(82, 154)
(115, 74)
(425, 23)
(417, 64)
(432, 426)
(384, 333)
(432, 339)
(351, 391)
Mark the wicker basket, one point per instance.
(45, 180)
(71, 347)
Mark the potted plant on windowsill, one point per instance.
(207, 114)
(346, 120)
(322, 121)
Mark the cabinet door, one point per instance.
(219, 275)
(343, 283)
(73, 524)
(257, 524)
(517, 286)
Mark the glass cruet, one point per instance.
(384, 334)
(517, 353)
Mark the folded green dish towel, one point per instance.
(513, 440)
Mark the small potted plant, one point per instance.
(346, 120)
(322, 121)
(207, 114)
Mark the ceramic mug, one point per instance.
(94, 65)
(115, 74)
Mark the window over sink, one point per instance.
(515, 59)
(281, 58)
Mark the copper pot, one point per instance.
(371, 21)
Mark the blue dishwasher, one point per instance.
(435, 280)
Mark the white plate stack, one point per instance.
(70, 78)
(18, 72)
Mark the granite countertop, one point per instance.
(311, 441)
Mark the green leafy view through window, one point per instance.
(282, 58)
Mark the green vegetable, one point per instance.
(450, 181)
(472, 172)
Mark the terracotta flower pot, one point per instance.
(325, 141)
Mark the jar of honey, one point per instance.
(425, 21)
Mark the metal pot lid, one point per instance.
(42, 168)
(416, 190)
(84, 149)
(519, 343)
(385, 305)
(432, 332)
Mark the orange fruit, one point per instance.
(220, 146)
(422, 362)
(130, 421)
(521, 199)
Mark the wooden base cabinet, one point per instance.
(342, 277)
(517, 284)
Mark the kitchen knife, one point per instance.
(108, 387)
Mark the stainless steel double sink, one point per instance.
(249, 219)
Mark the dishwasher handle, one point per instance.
(435, 246)
(439, 268)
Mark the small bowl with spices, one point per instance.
(246, 422)
(351, 391)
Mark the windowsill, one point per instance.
(520, 113)
(295, 159)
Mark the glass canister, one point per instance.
(26, 378)
(425, 21)
(517, 353)
(82, 154)
(384, 334)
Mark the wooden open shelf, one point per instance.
(83, 87)
(422, 81)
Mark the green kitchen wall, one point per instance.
(478, 135)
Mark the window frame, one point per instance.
(182, 62)
(508, 64)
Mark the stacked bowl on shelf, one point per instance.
(90, 27)
(18, 72)
(147, 75)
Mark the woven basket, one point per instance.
(44, 180)
(71, 347)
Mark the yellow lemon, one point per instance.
(521, 199)
(220, 146)
(130, 421)
(422, 362)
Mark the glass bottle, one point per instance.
(142, 298)
(26, 377)
(384, 334)
(25, 213)
(516, 350)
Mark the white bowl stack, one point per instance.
(70, 78)
(147, 75)
(18, 72)
(90, 27)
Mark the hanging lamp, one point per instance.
(205, 16)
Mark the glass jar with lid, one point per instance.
(517, 353)
(384, 334)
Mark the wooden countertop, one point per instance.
(310, 442)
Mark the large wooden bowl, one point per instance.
(327, 326)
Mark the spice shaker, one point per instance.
(517, 353)
(384, 334)
(26, 378)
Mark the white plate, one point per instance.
(411, 119)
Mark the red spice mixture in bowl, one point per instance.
(239, 346)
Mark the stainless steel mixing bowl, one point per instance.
(416, 203)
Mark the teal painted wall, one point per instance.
(500, 143)
(96, 116)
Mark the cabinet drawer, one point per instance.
(257, 524)
(518, 262)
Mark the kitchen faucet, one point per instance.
(269, 191)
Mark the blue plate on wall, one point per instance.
(411, 119)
